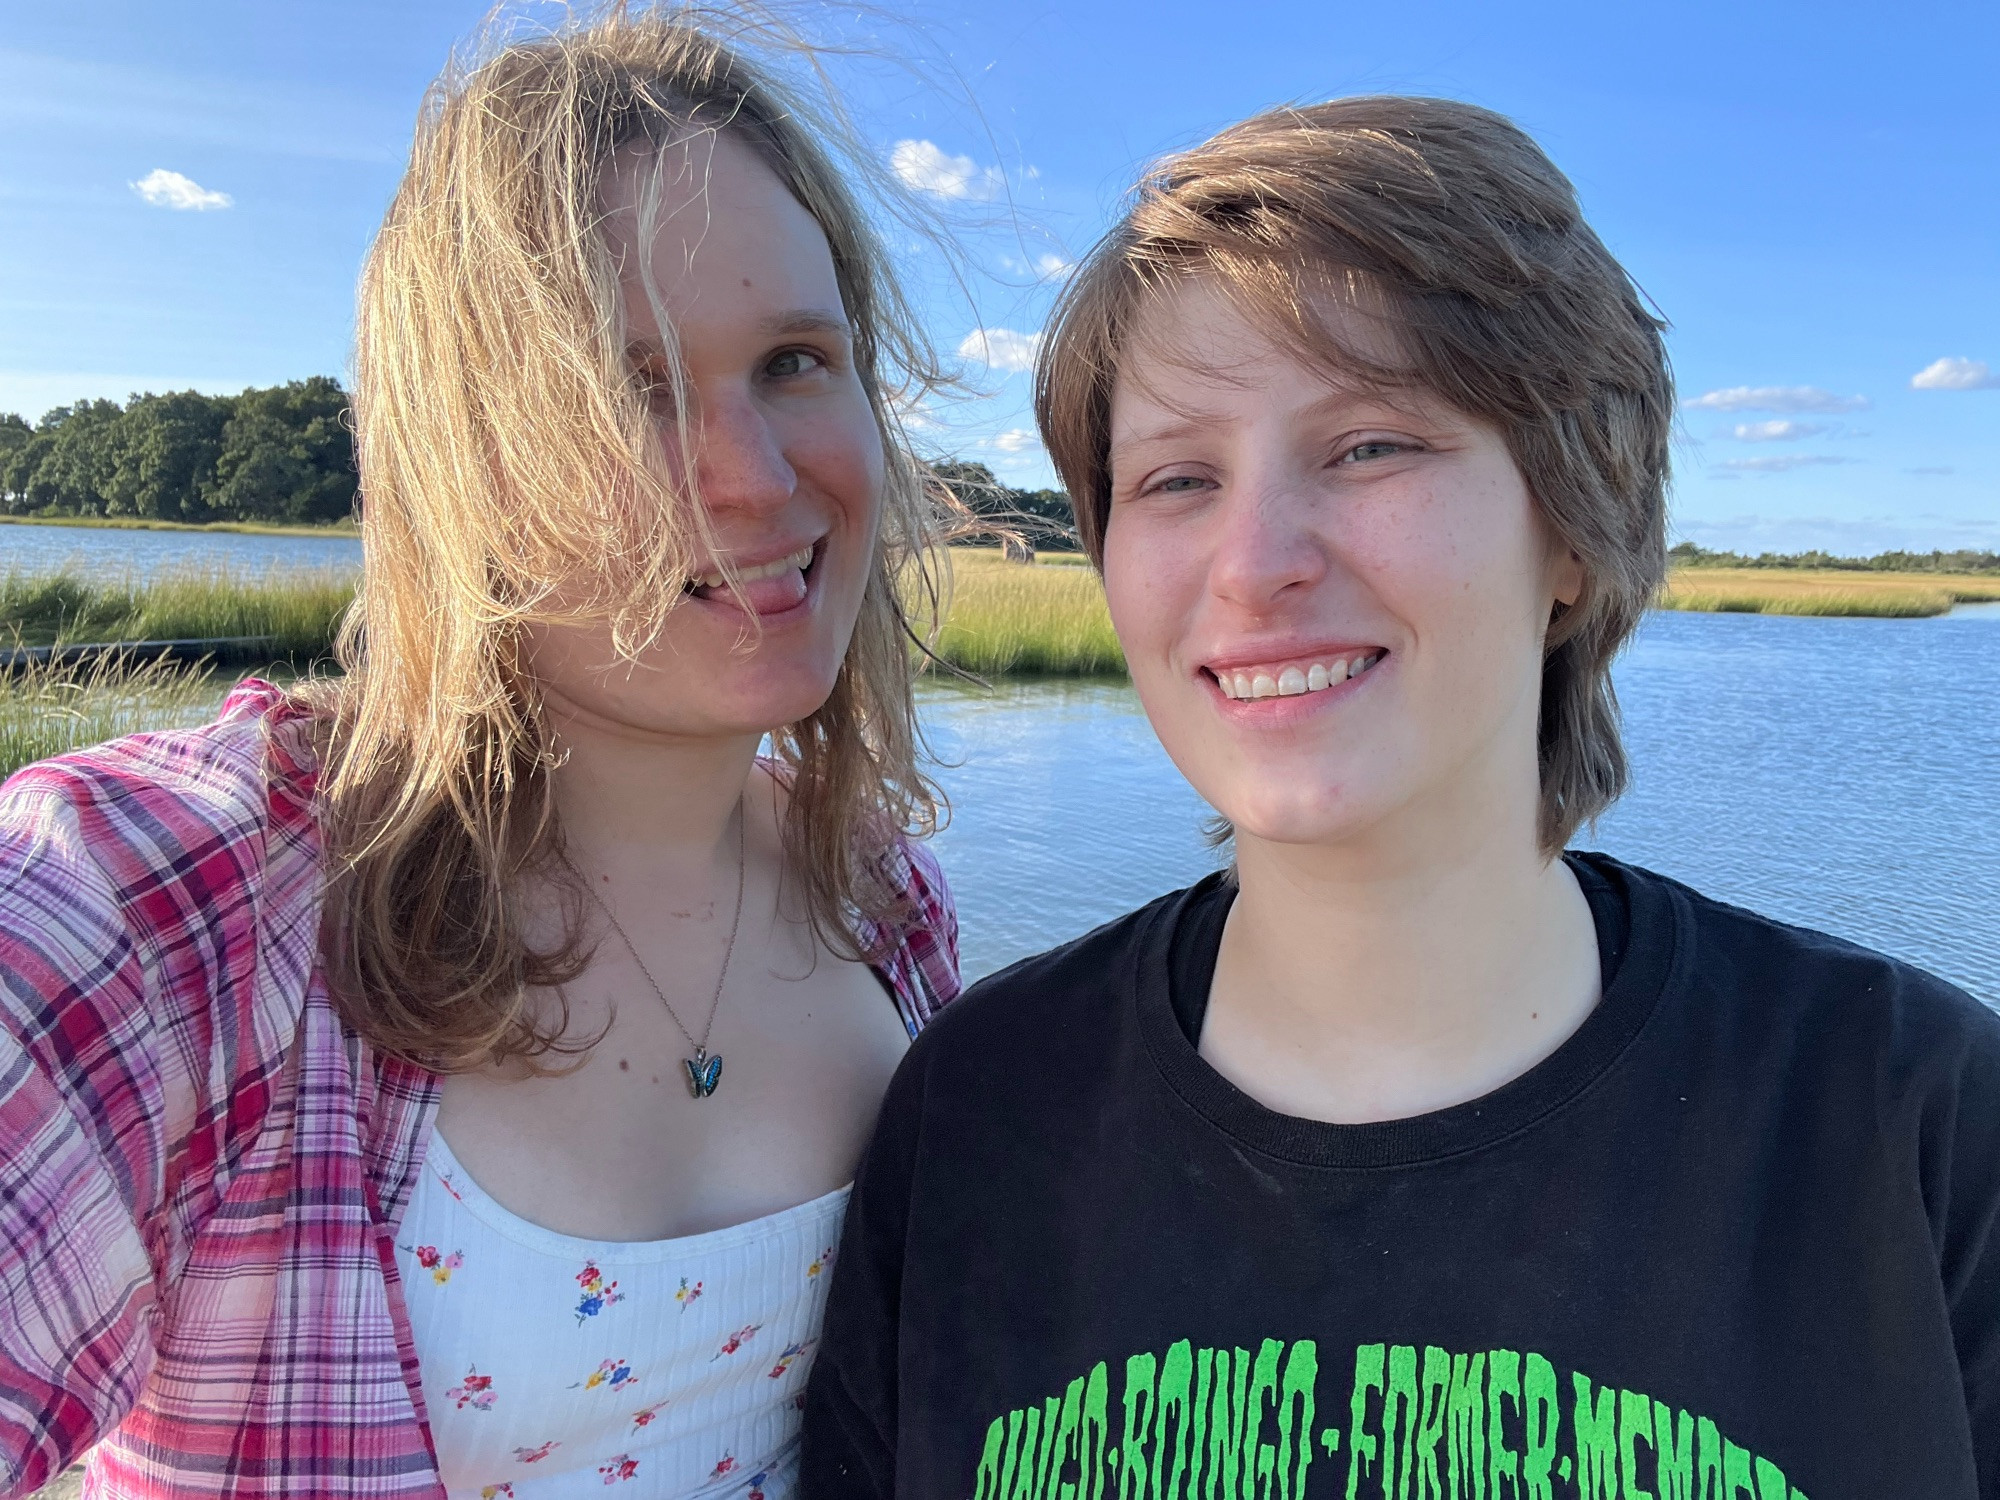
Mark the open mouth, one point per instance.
(768, 588)
(1292, 679)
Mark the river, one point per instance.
(1841, 774)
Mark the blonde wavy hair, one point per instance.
(512, 472)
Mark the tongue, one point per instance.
(765, 596)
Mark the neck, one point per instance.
(1409, 969)
(647, 808)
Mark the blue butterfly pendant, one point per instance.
(704, 1072)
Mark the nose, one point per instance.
(1266, 547)
(740, 464)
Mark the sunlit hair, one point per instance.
(1451, 224)
(513, 472)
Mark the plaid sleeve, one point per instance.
(77, 1286)
(155, 927)
(921, 958)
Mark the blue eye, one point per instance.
(1180, 484)
(793, 362)
(1362, 452)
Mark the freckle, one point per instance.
(746, 281)
(656, 1078)
(624, 1066)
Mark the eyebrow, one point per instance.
(805, 320)
(1190, 424)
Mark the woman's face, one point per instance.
(785, 455)
(1333, 602)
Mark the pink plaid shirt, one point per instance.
(201, 1167)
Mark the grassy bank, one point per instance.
(1824, 592)
(300, 611)
(46, 712)
(128, 523)
(1009, 619)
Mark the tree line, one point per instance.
(1041, 518)
(1965, 560)
(282, 453)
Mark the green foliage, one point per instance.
(48, 711)
(298, 612)
(283, 454)
(1688, 555)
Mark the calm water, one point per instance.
(1842, 774)
(118, 553)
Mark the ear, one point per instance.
(1565, 575)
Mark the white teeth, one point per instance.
(797, 561)
(1290, 682)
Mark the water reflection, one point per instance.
(1842, 774)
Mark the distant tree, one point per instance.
(287, 455)
(22, 467)
(77, 471)
(15, 434)
(1041, 517)
(166, 456)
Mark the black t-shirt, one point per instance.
(1738, 1236)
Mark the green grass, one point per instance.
(133, 523)
(1014, 619)
(49, 711)
(300, 611)
(1823, 592)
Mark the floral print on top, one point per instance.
(549, 1371)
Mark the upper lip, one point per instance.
(1237, 659)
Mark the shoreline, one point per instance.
(134, 523)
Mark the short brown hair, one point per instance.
(1505, 303)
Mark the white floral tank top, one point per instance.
(555, 1366)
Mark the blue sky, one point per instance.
(1810, 192)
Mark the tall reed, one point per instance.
(47, 711)
(298, 610)
(1828, 592)
(1015, 618)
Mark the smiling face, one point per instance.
(783, 454)
(1332, 601)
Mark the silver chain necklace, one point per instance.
(703, 1071)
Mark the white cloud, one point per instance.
(1017, 440)
(924, 166)
(1780, 398)
(1953, 374)
(164, 189)
(1054, 266)
(1776, 432)
(1779, 463)
(1001, 348)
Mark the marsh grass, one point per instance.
(299, 611)
(48, 711)
(1828, 592)
(1026, 619)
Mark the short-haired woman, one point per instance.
(445, 1081)
(1417, 1157)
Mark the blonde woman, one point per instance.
(446, 1080)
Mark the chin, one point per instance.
(778, 698)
